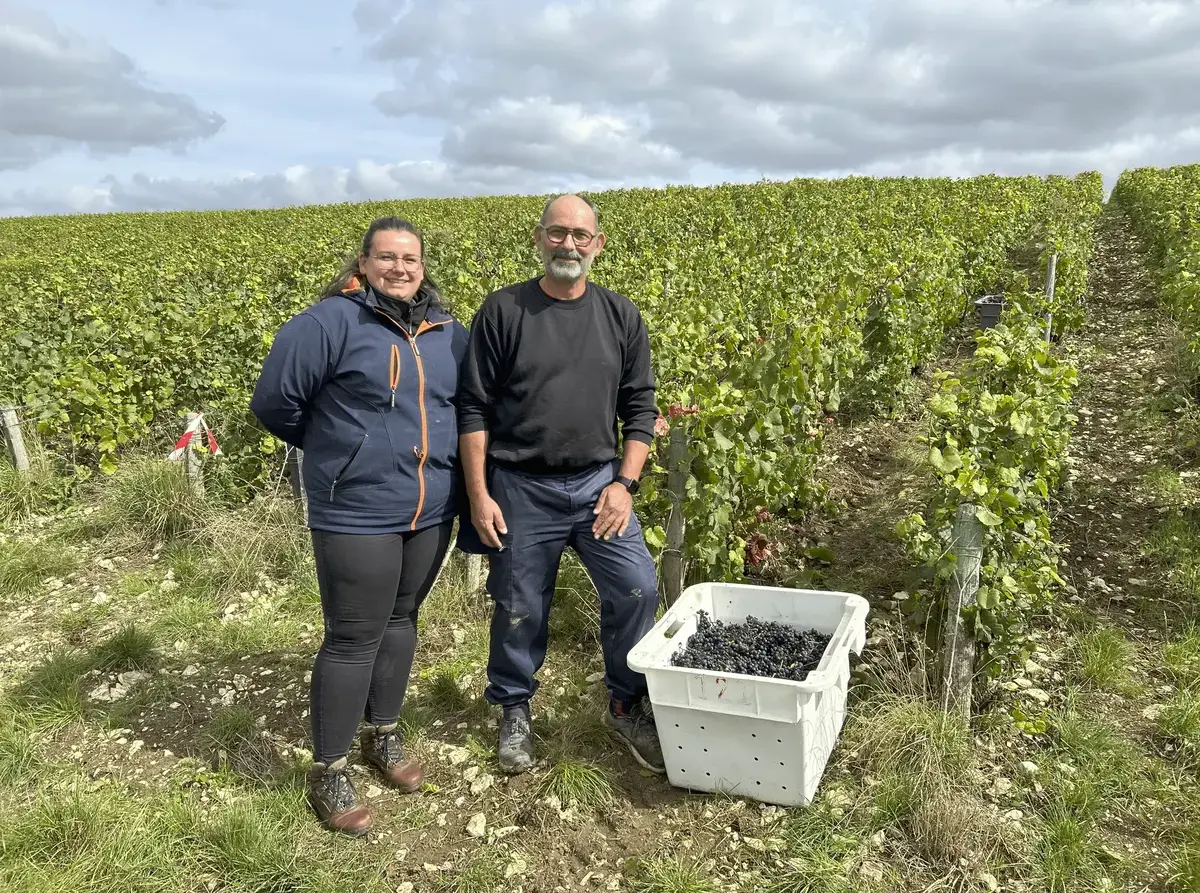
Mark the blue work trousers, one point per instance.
(544, 515)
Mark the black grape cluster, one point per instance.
(755, 648)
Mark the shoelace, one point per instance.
(340, 790)
(515, 722)
(643, 721)
(390, 747)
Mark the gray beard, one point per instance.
(565, 270)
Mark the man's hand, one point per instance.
(613, 510)
(488, 520)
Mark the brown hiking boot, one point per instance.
(332, 797)
(383, 748)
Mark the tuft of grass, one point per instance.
(568, 734)
(1104, 657)
(483, 873)
(24, 565)
(1182, 657)
(1179, 723)
(240, 746)
(1110, 770)
(148, 501)
(265, 842)
(442, 694)
(42, 489)
(266, 538)
(52, 692)
(823, 853)
(913, 738)
(575, 614)
(675, 874)
(578, 781)
(18, 752)
(950, 826)
(131, 648)
(1175, 545)
(1185, 866)
(97, 840)
(1068, 856)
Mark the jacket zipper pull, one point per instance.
(394, 373)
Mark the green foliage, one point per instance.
(770, 307)
(998, 438)
(1163, 205)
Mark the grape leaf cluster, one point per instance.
(755, 648)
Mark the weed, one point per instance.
(1108, 770)
(484, 873)
(52, 692)
(569, 733)
(1068, 855)
(1182, 657)
(41, 489)
(913, 738)
(266, 538)
(148, 501)
(18, 753)
(442, 694)
(1185, 867)
(1179, 723)
(1104, 656)
(25, 565)
(240, 745)
(1175, 545)
(578, 781)
(822, 854)
(132, 648)
(675, 874)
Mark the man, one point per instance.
(553, 364)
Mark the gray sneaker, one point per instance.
(516, 740)
(634, 725)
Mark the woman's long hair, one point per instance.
(351, 271)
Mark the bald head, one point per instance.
(572, 206)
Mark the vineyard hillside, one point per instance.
(771, 307)
(849, 424)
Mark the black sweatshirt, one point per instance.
(549, 380)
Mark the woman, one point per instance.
(364, 382)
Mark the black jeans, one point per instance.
(372, 586)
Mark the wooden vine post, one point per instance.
(11, 424)
(1051, 274)
(677, 474)
(191, 461)
(958, 641)
(475, 576)
(295, 472)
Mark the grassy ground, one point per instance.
(154, 675)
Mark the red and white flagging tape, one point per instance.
(194, 427)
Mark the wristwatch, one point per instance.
(630, 484)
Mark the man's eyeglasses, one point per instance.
(388, 259)
(558, 234)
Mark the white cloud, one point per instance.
(782, 87)
(59, 90)
(533, 96)
(296, 185)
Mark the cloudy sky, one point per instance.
(163, 104)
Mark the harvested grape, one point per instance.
(754, 648)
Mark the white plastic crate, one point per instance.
(751, 736)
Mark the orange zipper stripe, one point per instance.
(425, 326)
(394, 371)
(424, 433)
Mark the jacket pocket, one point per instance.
(341, 474)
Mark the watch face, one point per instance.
(630, 484)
